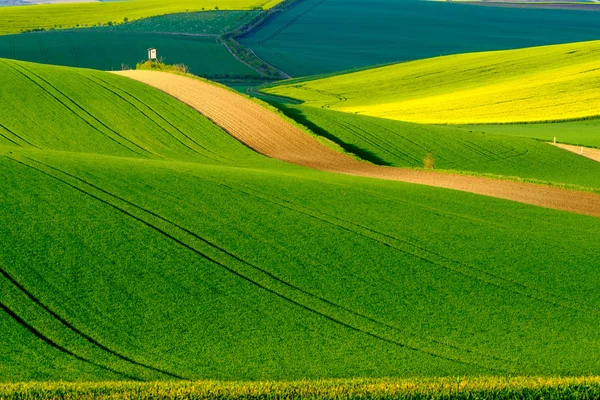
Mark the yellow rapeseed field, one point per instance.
(548, 83)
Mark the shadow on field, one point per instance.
(298, 116)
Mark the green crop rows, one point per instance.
(319, 36)
(478, 149)
(188, 39)
(139, 241)
(46, 16)
(583, 133)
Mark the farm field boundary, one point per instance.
(539, 84)
(591, 153)
(317, 37)
(269, 134)
(526, 388)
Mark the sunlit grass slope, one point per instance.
(470, 149)
(583, 133)
(535, 84)
(21, 18)
(139, 241)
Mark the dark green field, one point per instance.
(139, 241)
(188, 38)
(322, 36)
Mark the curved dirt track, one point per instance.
(269, 134)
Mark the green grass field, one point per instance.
(317, 36)
(188, 38)
(401, 144)
(140, 241)
(21, 18)
(583, 133)
(548, 83)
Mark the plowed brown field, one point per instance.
(269, 134)
(593, 154)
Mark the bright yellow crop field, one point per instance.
(20, 18)
(547, 83)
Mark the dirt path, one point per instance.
(269, 134)
(588, 152)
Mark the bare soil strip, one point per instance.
(271, 135)
(591, 153)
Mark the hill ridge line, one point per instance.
(269, 134)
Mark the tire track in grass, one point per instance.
(113, 90)
(292, 22)
(73, 51)
(14, 134)
(554, 300)
(95, 80)
(258, 284)
(60, 348)
(77, 331)
(261, 270)
(80, 108)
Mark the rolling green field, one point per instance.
(401, 144)
(21, 18)
(583, 133)
(188, 38)
(138, 241)
(547, 83)
(317, 36)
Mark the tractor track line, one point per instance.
(76, 330)
(73, 111)
(261, 286)
(84, 111)
(60, 348)
(20, 138)
(267, 273)
(473, 270)
(95, 81)
(162, 118)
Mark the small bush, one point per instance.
(161, 66)
(429, 161)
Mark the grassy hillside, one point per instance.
(21, 18)
(319, 36)
(139, 241)
(187, 38)
(583, 133)
(473, 149)
(537, 84)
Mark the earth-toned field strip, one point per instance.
(324, 36)
(188, 38)
(140, 241)
(271, 135)
(526, 388)
(401, 144)
(547, 83)
(22, 18)
(593, 154)
(582, 133)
